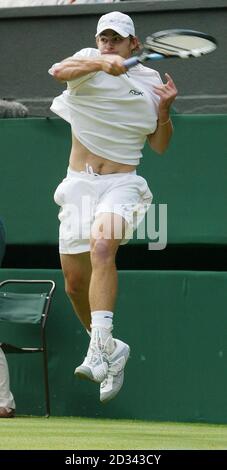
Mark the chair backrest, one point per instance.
(22, 308)
(25, 307)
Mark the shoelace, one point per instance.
(95, 355)
(97, 351)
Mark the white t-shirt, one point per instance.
(111, 116)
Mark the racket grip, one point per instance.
(155, 56)
(128, 63)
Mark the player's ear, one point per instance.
(135, 44)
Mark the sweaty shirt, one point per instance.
(111, 116)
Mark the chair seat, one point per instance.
(9, 348)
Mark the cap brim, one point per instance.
(116, 29)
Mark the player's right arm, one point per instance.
(72, 68)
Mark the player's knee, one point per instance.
(75, 284)
(101, 252)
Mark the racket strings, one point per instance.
(164, 45)
(181, 45)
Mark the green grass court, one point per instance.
(39, 433)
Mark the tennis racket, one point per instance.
(174, 43)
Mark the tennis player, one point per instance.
(7, 404)
(112, 111)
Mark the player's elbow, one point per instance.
(157, 147)
(160, 152)
(58, 74)
(161, 149)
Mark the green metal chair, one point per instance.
(29, 308)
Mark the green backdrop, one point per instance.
(175, 323)
(190, 178)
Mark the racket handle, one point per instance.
(155, 56)
(128, 63)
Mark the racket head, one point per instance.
(181, 43)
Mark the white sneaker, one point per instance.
(96, 363)
(112, 384)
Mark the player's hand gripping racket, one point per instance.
(180, 43)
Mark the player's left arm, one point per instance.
(167, 93)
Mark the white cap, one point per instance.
(118, 22)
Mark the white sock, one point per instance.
(101, 328)
(102, 319)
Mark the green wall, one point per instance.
(175, 323)
(190, 177)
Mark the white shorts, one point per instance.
(83, 195)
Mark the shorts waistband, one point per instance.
(89, 172)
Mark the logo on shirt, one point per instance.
(136, 92)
